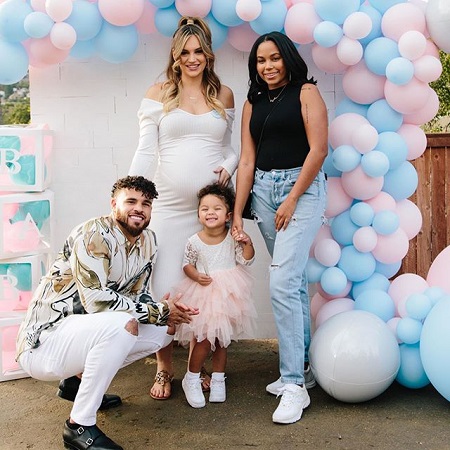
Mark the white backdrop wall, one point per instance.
(91, 106)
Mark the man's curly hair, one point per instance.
(137, 183)
(223, 192)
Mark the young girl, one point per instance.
(219, 284)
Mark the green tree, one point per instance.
(16, 112)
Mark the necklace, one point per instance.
(271, 100)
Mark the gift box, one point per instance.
(26, 222)
(9, 327)
(25, 158)
(19, 279)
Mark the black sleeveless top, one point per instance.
(284, 143)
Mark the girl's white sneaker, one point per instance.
(218, 392)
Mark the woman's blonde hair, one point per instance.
(172, 87)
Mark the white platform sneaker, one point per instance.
(294, 399)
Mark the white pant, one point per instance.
(96, 345)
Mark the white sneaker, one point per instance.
(193, 391)
(218, 392)
(276, 387)
(294, 399)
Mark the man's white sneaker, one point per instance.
(276, 387)
(218, 392)
(294, 399)
(193, 391)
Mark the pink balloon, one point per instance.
(120, 13)
(43, 53)
(324, 233)
(337, 199)
(356, 81)
(342, 128)
(365, 239)
(382, 201)
(360, 186)
(410, 217)
(326, 59)
(242, 37)
(365, 138)
(408, 98)
(63, 35)
(146, 23)
(300, 21)
(426, 113)
(415, 139)
(332, 308)
(432, 49)
(391, 248)
(412, 45)
(349, 51)
(401, 18)
(405, 285)
(58, 10)
(199, 8)
(327, 252)
(427, 68)
(357, 25)
(317, 301)
(438, 274)
(248, 10)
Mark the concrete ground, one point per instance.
(32, 416)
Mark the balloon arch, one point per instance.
(387, 52)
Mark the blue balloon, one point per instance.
(375, 281)
(409, 330)
(376, 17)
(346, 158)
(411, 373)
(376, 301)
(362, 214)
(336, 11)
(86, 19)
(379, 53)
(400, 71)
(21, 272)
(219, 32)
(328, 166)
(333, 280)
(272, 17)
(343, 229)
(385, 222)
(14, 62)
(383, 118)
(12, 18)
(116, 44)
(162, 3)
(394, 147)
(388, 270)
(83, 49)
(27, 172)
(327, 34)
(314, 270)
(384, 5)
(356, 265)
(418, 306)
(375, 164)
(224, 11)
(348, 106)
(434, 293)
(38, 24)
(401, 183)
(166, 20)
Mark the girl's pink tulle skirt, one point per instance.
(226, 308)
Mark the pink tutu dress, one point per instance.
(226, 307)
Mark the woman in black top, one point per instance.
(284, 143)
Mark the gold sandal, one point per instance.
(162, 377)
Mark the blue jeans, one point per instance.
(289, 250)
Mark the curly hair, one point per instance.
(172, 87)
(137, 183)
(223, 192)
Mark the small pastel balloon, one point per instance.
(411, 373)
(328, 166)
(401, 18)
(271, 18)
(427, 68)
(242, 37)
(438, 271)
(333, 307)
(375, 281)
(327, 252)
(38, 24)
(343, 229)
(400, 71)
(402, 182)
(425, 114)
(199, 8)
(375, 163)
(362, 214)
(357, 25)
(375, 18)
(410, 217)
(412, 45)
(301, 20)
(317, 301)
(85, 19)
(418, 306)
(349, 51)
(415, 138)
(340, 294)
(376, 301)
(361, 186)
(323, 233)
(58, 10)
(116, 14)
(382, 201)
(409, 330)
(383, 117)
(314, 270)
(438, 23)
(248, 9)
(337, 199)
(342, 128)
(391, 248)
(365, 239)
(63, 36)
(326, 59)
(356, 265)
(385, 222)
(405, 285)
(409, 98)
(365, 137)
(327, 34)
(346, 158)
(38, 5)
(394, 147)
(333, 280)
(379, 53)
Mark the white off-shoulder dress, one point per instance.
(179, 151)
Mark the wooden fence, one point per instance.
(433, 199)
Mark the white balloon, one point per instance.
(63, 35)
(427, 68)
(412, 45)
(357, 25)
(438, 23)
(349, 51)
(248, 10)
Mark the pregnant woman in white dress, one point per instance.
(184, 144)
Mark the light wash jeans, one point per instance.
(290, 251)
